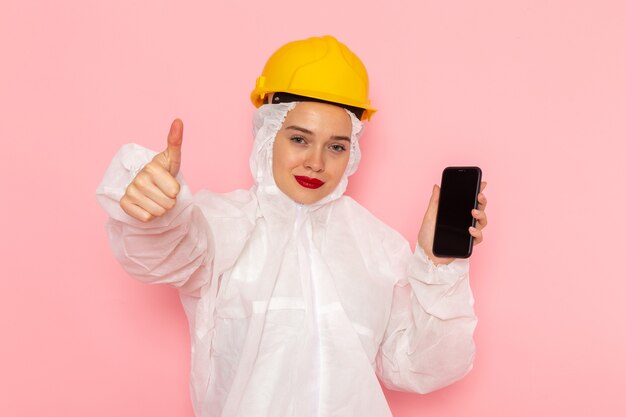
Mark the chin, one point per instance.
(306, 198)
(306, 201)
(301, 195)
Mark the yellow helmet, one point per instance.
(318, 68)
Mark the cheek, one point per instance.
(339, 167)
(291, 157)
(282, 161)
(277, 167)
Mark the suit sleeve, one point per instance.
(176, 248)
(428, 342)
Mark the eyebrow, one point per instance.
(308, 132)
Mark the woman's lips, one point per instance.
(309, 182)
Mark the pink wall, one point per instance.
(532, 91)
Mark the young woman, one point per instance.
(297, 297)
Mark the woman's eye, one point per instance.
(298, 139)
(338, 148)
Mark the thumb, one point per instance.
(434, 201)
(174, 144)
(427, 230)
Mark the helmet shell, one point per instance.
(319, 67)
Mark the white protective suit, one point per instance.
(295, 309)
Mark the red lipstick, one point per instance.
(309, 182)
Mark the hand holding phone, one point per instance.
(458, 196)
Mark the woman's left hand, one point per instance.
(427, 231)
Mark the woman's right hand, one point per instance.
(153, 191)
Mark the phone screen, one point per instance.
(459, 190)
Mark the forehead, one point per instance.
(320, 117)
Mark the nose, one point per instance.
(314, 160)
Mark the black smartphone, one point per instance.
(459, 192)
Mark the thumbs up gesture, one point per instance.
(153, 191)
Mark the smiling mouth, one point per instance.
(308, 182)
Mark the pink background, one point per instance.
(534, 92)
